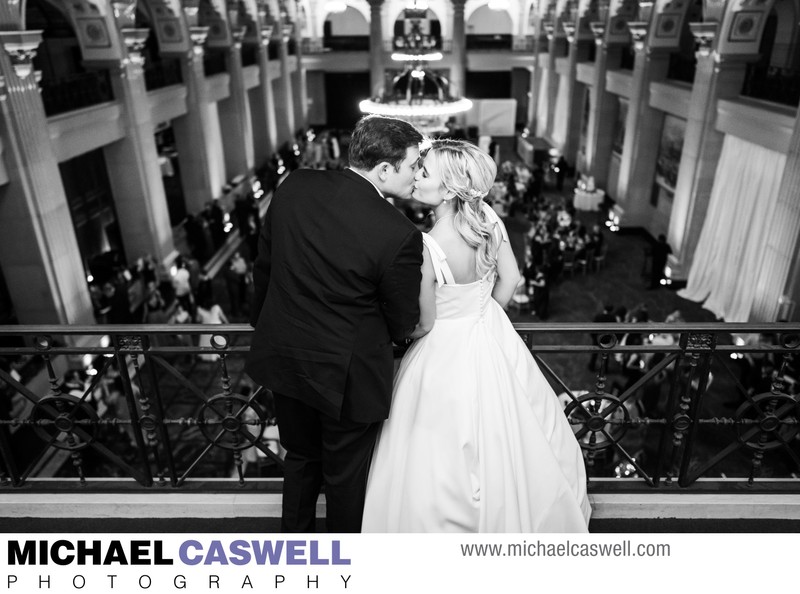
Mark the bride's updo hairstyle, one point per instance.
(468, 173)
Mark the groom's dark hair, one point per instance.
(379, 138)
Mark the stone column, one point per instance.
(533, 90)
(602, 117)
(715, 78)
(265, 138)
(376, 61)
(40, 258)
(197, 134)
(315, 41)
(284, 103)
(642, 133)
(300, 82)
(139, 196)
(458, 73)
(556, 42)
(578, 52)
(234, 114)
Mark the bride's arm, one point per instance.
(427, 297)
(507, 275)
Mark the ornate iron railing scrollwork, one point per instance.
(690, 413)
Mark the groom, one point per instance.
(336, 281)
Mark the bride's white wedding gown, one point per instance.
(476, 440)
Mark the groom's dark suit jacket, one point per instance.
(336, 280)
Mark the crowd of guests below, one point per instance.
(548, 239)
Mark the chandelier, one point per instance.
(418, 94)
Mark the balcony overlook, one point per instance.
(163, 434)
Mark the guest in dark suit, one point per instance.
(661, 251)
(336, 280)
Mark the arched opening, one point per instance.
(66, 84)
(214, 59)
(346, 31)
(159, 71)
(417, 30)
(683, 63)
(489, 29)
(775, 76)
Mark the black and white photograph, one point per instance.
(366, 296)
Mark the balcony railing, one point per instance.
(682, 68)
(163, 73)
(346, 43)
(489, 42)
(76, 92)
(214, 62)
(695, 411)
(777, 85)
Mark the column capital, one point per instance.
(704, 36)
(458, 4)
(238, 36)
(638, 31)
(286, 31)
(135, 40)
(375, 4)
(265, 32)
(599, 31)
(549, 29)
(198, 36)
(21, 48)
(569, 30)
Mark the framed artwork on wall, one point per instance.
(667, 26)
(745, 26)
(93, 32)
(669, 152)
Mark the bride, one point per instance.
(476, 440)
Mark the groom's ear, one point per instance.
(383, 170)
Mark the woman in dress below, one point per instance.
(476, 440)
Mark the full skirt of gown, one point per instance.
(476, 440)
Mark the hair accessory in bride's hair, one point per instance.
(473, 193)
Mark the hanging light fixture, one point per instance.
(418, 94)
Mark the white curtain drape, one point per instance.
(560, 115)
(541, 106)
(730, 252)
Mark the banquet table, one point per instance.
(585, 200)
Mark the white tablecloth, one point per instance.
(588, 200)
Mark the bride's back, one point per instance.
(460, 256)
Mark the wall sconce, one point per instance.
(21, 48)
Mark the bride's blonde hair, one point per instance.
(469, 173)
